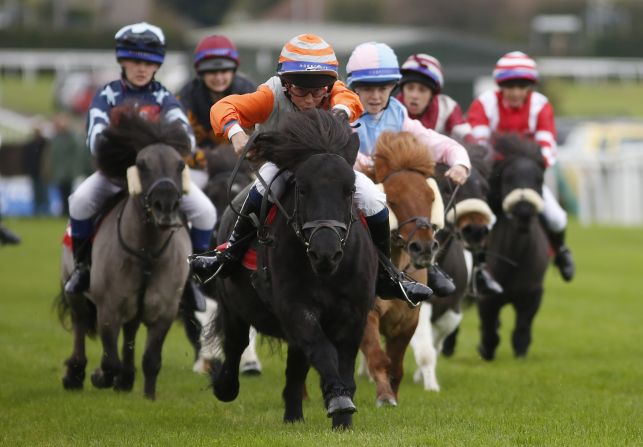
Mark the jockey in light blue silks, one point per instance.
(140, 50)
(373, 73)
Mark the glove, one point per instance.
(197, 160)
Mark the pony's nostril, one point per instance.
(337, 256)
(415, 247)
(158, 206)
(434, 246)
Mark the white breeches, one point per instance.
(91, 194)
(554, 214)
(368, 198)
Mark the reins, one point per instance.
(291, 219)
(148, 259)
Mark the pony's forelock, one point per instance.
(302, 134)
(398, 151)
(119, 144)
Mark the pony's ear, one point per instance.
(351, 149)
(133, 181)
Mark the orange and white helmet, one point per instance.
(308, 59)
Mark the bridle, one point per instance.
(142, 253)
(314, 226)
(420, 222)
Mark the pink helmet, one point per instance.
(515, 65)
(424, 69)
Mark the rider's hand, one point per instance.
(458, 174)
(197, 160)
(365, 164)
(239, 141)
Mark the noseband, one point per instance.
(421, 222)
(145, 198)
(315, 226)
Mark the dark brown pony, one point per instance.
(402, 166)
(519, 242)
(138, 259)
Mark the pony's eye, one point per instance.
(181, 166)
(141, 165)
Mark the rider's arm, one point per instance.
(477, 118)
(98, 115)
(546, 134)
(347, 100)
(171, 111)
(233, 113)
(444, 149)
(456, 126)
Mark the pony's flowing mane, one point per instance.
(302, 134)
(128, 133)
(399, 151)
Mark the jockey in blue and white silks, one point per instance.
(373, 73)
(140, 50)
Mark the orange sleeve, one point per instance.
(246, 110)
(341, 95)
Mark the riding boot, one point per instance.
(483, 282)
(563, 256)
(391, 283)
(242, 235)
(8, 237)
(78, 281)
(441, 283)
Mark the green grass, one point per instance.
(600, 99)
(28, 96)
(580, 385)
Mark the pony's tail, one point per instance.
(79, 306)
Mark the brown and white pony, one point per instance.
(402, 167)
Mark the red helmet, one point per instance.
(215, 53)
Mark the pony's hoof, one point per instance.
(341, 404)
(124, 382)
(520, 354)
(386, 402)
(251, 369)
(293, 418)
(448, 351)
(100, 380)
(73, 382)
(485, 353)
(224, 385)
(342, 421)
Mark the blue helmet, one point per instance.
(140, 41)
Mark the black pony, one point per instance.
(318, 273)
(517, 242)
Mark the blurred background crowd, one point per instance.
(54, 54)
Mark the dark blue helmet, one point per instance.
(140, 41)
